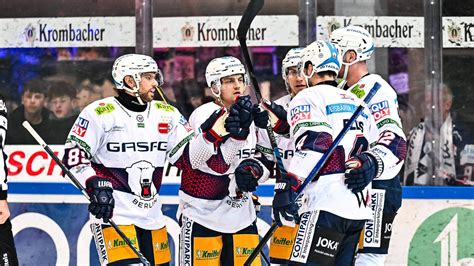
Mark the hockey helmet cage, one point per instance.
(354, 38)
(323, 55)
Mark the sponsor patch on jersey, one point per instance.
(300, 112)
(358, 90)
(380, 110)
(340, 108)
(373, 227)
(387, 121)
(304, 237)
(80, 127)
(163, 128)
(185, 124)
(164, 107)
(104, 108)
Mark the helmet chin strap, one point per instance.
(135, 90)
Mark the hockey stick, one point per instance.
(66, 171)
(315, 171)
(249, 14)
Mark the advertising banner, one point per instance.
(50, 218)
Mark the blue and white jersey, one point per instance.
(391, 145)
(316, 116)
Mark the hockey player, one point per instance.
(218, 222)
(282, 239)
(7, 245)
(117, 149)
(333, 215)
(356, 46)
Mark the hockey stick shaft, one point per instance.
(244, 25)
(74, 180)
(317, 168)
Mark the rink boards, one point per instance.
(49, 216)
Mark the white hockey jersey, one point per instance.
(316, 116)
(391, 145)
(208, 191)
(129, 148)
(285, 145)
(3, 155)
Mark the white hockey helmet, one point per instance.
(134, 65)
(222, 67)
(323, 55)
(292, 58)
(354, 38)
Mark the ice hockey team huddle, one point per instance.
(119, 145)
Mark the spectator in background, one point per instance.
(108, 86)
(62, 102)
(32, 109)
(86, 95)
(419, 152)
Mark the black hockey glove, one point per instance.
(102, 202)
(284, 204)
(244, 106)
(213, 128)
(360, 171)
(275, 113)
(247, 175)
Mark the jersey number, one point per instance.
(76, 156)
(360, 144)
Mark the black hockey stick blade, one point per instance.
(249, 14)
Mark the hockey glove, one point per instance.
(102, 202)
(232, 125)
(360, 171)
(247, 174)
(284, 204)
(244, 106)
(213, 128)
(275, 113)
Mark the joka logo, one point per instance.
(327, 243)
(447, 237)
(207, 254)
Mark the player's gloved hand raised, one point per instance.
(240, 118)
(360, 171)
(244, 106)
(247, 175)
(213, 128)
(275, 113)
(284, 205)
(102, 202)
